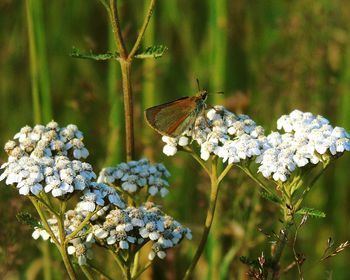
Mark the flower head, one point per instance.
(231, 137)
(134, 175)
(308, 139)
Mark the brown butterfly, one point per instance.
(173, 118)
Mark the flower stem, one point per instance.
(86, 272)
(255, 179)
(214, 188)
(99, 271)
(43, 220)
(197, 158)
(138, 274)
(63, 250)
(282, 241)
(143, 29)
(128, 109)
(114, 18)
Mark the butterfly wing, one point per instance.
(172, 118)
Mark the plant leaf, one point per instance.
(76, 53)
(27, 219)
(311, 212)
(271, 197)
(152, 52)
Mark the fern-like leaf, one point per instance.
(152, 52)
(311, 212)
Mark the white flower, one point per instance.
(308, 139)
(100, 233)
(183, 141)
(169, 150)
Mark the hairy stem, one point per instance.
(214, 188)
(114, 18)
(128, 109)
(281, 243)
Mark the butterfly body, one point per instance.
(173, 118)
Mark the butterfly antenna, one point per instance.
(199, 88)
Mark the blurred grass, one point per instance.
(268, 57)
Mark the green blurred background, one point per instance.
(269, 57)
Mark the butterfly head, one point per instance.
(203, 94)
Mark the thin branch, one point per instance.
(98, 271)
(223, 173)
(81, 225)
(113, 15)
(142, 270)
(261, 184)
(86, 272)
(44, 221)
(208, 221)
(142, 31)
(198, 159)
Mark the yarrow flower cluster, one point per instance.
(47, 158)
(308, 139)
(118, 228)
(231, 137)
(132, 225)
(134, 175)
(47, 141)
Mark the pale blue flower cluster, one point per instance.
(139, 225)
(119, 228)
(99, 194)
(135, 175)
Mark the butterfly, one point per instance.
(175, 117)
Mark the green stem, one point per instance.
(142, 31)
(138, 274)
(128, 109)
(86, 272)
(209, 219)
(255, 179)
(136, 264)
(281, 243)
(223, 173)
(114, 18)
(44, 221)
(47, 261)
(197, 158)
(99, 271)
(60, 245)
(79, 228)
(121, 263)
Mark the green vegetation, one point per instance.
(268, 57)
